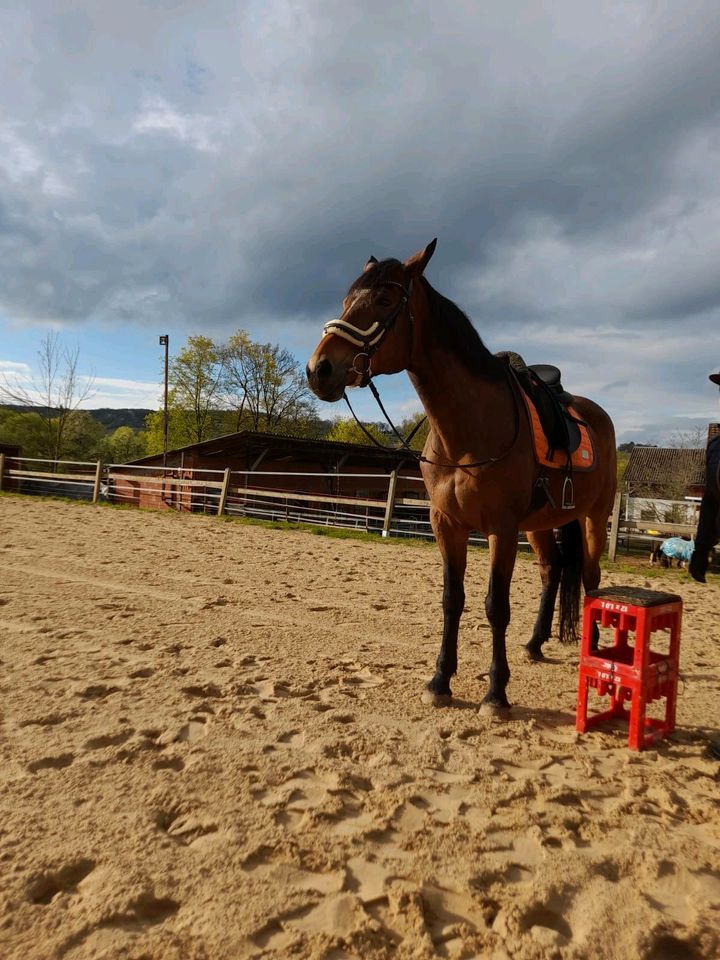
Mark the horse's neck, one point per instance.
(466, 411)
(458, 406)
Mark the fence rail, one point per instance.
(231, 493)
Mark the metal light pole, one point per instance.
(165, 342)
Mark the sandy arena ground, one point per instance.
(212, 745)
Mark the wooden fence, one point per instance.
(225, 492)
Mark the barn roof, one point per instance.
(662, 465)
(280, 445)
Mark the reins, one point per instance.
(405, 441)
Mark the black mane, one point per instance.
(453, 331)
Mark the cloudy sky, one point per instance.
(170, 166)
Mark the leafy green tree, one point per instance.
(82, 437)
(309, 426)
(239, 385)
(123, 445)
(406, 426)
(264, 385)
(181, 431)
(25, 430)
(345, 430)
(195, 376)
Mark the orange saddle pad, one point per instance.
(581, 459)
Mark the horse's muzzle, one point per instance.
(325, 381)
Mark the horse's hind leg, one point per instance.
(548, 556)
(594, 537)
(452, 541)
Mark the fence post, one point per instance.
(2, 469)
(615, 526)
(390, 505)
(96, 485)
(224, 492)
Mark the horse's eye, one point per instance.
(384, 302)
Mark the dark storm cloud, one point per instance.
(696, 292)
(232, 164)
(290, 144)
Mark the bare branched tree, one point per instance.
(693, 439)
(285, 392)
(264, 384)
(55, 392)
(239, 387)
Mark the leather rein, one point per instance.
(371, 340)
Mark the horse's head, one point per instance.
(374, 334)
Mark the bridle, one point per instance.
(371, 339)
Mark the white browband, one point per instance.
(370, 337)
(356, 336)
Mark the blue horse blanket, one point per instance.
(677, 549)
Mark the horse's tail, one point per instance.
(571, 550)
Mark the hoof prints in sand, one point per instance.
(218, 746)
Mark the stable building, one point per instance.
(300, 470)
(665, 484)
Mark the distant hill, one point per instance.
(134, 417)
(112, 419)
(109, 417)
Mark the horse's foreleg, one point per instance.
(548, 557)
(503, 549)
(452, 541)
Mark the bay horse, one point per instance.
(478, 462)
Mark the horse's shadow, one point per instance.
(541, 715)
(551, 661)
(681, 743)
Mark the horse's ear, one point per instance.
(371, 262)
(418, 261)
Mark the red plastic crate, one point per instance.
(631, 676)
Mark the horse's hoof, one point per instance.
(490, 708)
(537, 656)
(436, 699)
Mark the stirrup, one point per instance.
(568, 494)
